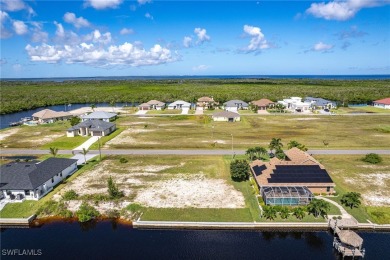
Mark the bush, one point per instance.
(86, 212)
(70, 195)
(53, 208)
(372, 158)
(239, 170)
(123, 160)
(113, 213)
(261, 201)
(113, 190)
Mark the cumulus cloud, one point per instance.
(149, 16)
(202, 35)
(187, 41)
(97, 37)
(125, 31)
(258, 41)
(16, 5)
(60, 32)
(77, 22)
(322, 47)
(20, 27)
(103, 4)
(142, 2)
(4, 33)
(200, 68)
(342, 10)
(91, 54)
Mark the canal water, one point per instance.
(5, 120)
(112, 240)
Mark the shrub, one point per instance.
(113, 190)
(284, 212)
(123, 160)
(261, 201)
(372, 158)
(70, 195)
(239, 170)
(113, 213)
(86, 212)
(53, 208)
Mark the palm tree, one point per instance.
(284, 212)
(275, 144)
(250, 153)
(318, 207)
(260, 152)
(269, 212)
(294, 143)
(53, 151)
(84, 152)
(299, 212)
(351, 199)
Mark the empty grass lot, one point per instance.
(191, 132)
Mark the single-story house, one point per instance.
(262, 104)
(152, 105)
(320, 103)
(235, 105)
(206, 102)
(50, 116)
(179, 104)
(33, 180)
(92, 127)
(292, 181)
(295, 104)
(226, 116)
(382, 103)
(99, 115)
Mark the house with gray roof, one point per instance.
(226, 116)
(99, 115)
(33, 180)
(92, 127)
(235, 105)
(320, 103)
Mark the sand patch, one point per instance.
(6, 133)
(191, 191)
(125, 137)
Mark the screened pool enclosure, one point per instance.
(286, 195)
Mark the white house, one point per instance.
(33, 180)
(320, 103)
(50, 116)
(91, 127)
(179, 104)
(226, 116)
(235, 105)
(99, 115)
(152, 105)
(382, 103)
(295, 104)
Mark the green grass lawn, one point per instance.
(365, 109)
(351, 174)
(66, 143)
(104, 139)
(164, 112)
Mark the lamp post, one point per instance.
(232, 147)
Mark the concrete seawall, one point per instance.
(16, 222)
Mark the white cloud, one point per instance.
(125, 31)
(4, 33)
(97, 37)
(202, 35)
(322, 47)
(20, 27)
(258, 41)
(353, 32)
(142, 2)
(187, 41)
(37, 34)
(200, 68)
(77, 22)
(342, 10)
(126, 54)
(60, 32)
(16, 5)
(149, 16)
(103, 4)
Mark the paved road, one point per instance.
(182, 152)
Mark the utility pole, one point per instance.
(232, 147)
(100, 151)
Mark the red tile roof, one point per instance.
(385, 101)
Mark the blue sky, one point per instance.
(45, 38)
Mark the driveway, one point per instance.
(80, 158)
(184, 111)
(87, 143)
(141, 112)
(199, 111)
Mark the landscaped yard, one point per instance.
(191, 132)
(372, 181)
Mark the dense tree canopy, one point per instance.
(239, 170)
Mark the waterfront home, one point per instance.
(179, 104)
(33, 180)
(295, 104)
(91, 127)
(206, 102)
(99, 115)
(291, 181)
(262, 104)
(320, 103)
(152, 105)
(382, 103)
(50, 116)
(226, 116)
(235, 105)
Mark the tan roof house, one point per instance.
(50, 116)
(262, 104)
(226, 116)
(206, 102)
(152, 105)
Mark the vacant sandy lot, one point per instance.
(6, 133)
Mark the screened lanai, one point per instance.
(286, 195)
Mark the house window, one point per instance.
(27, 192)
(61, 174)
(327, 189)
(52, 180)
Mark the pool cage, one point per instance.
(286, 195)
